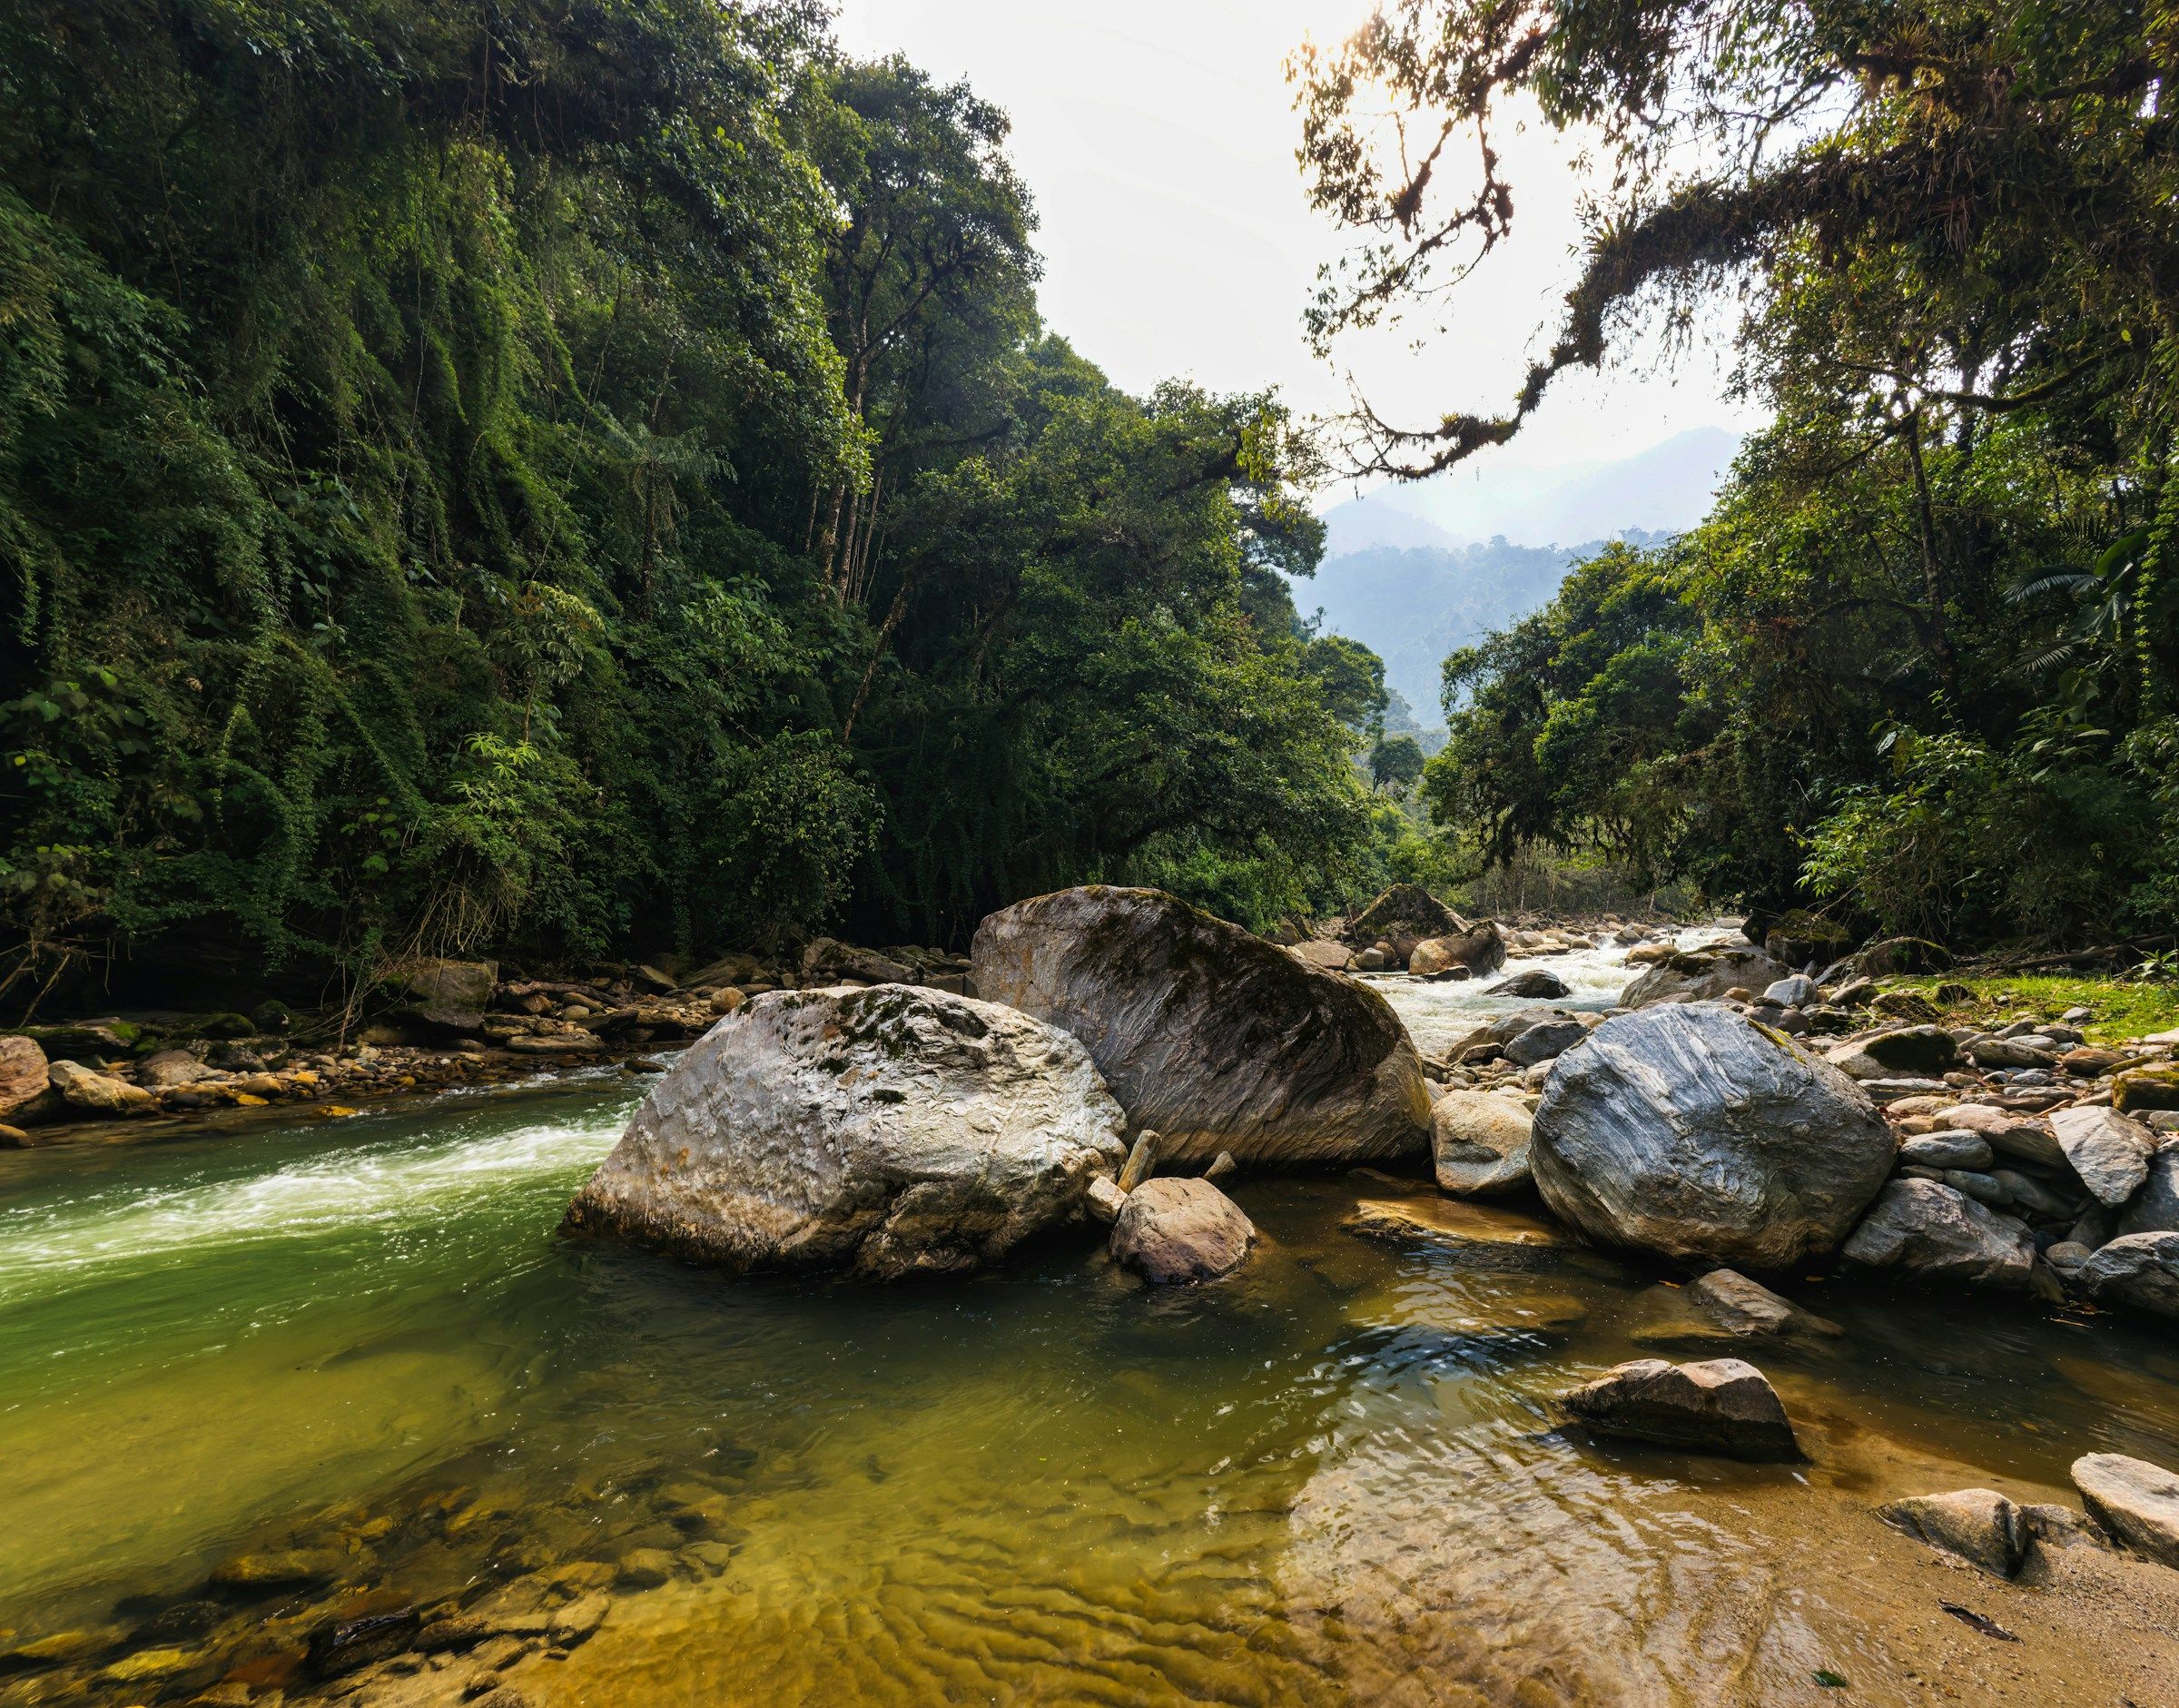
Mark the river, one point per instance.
(1332, 1478)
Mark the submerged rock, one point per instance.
(887, 1131)
(1178, 1229)
(1479, 1142)
(2135, 1501)
(1215, 1038)
(1721, 1405)
(1978, 1524)
(1926, 1229)
(1688, 1131)
(1748, 1310)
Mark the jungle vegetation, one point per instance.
(1919, 665)
(581, 478)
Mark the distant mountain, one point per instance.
(1414, 571)
(1663, 490)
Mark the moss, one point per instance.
(2122, 1008)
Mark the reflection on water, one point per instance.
(1333, 1479)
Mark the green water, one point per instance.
(1333, 1479)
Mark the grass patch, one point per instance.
(2124, 1008)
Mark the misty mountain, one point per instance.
(1412, 606)
(1663, 490)
(1414, 571)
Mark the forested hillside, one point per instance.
(1919, 666)
(573, 479)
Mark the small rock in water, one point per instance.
(1748, 1307)
(1979, 1525)
(285, 1568)
(1533, 982)
(1180, 1230)
(1480, 1142)
(1722, 1406)
(2135, 1501)
(1104, 1198)
(1221, 1167)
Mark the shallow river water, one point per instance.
(1332, 1478)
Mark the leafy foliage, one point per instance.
(573, 479)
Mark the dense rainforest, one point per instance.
(583, 477)
(1920, 667)
(587, 477)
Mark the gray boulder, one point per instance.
(1328, 957)
(2157, 1209)
(1544, 1042)
(2139, 1272)
(1208, 1033)
(1690, 1131)
(1795, 991)
(1700, 975)
(2135, 1501)
(1978, 1524)
(1924, 1229)
(2109, 1152)
(889, 1132)
(1721, 1405)
(1178, 1230)
(1479, 1142)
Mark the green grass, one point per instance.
(2124, 1008)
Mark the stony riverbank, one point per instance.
(433, 1025)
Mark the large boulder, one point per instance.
(1720, 1406)
(1177, 1230)
(1690, 1132)
(2135, 1501)
(1406, 909)
(1479, 1142)
(1704, 975)
(2137, 1270)
(1926, 1229)
(445, 995)
(1480, 948)
(887, 1131)
(1206, 1032)
(24, 1074)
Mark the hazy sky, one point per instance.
(1159, 136)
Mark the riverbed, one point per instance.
(1334, 1477)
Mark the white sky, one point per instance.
(1157, 137)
